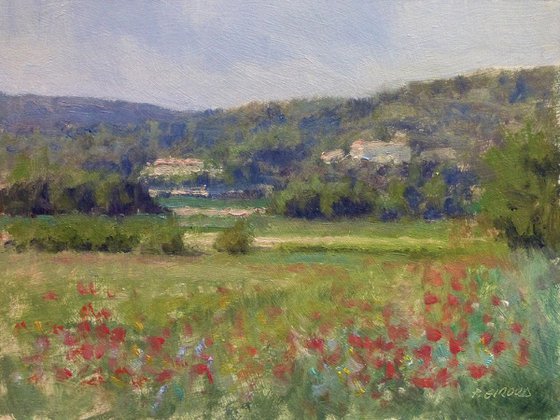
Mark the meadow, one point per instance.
(349, 318)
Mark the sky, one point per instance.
(197, 54)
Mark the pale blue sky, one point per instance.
(195, 54)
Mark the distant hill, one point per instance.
(62, 115)
(271, 143)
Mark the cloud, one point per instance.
(210, 53)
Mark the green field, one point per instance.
(214, 203)
(255, 335)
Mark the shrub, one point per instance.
(235, 240)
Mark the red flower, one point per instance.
(70, 339)
(452, 300)
(423, 382)
(430, 299)
(281, 371)
(156, 343)
(123, 371)
(166, 375)
(433, 277)
(99, 351)
(103, 313)
(477, 371)
(95, 380)
(456, 285)
(486, 318)
(118, 334)
(442, 377)
(424, 353)
(202, 369)
(433, 334)
(399, 356)
(390, 372)
(397, 333)
(499, 347)
(355, 341)
(86, 290)
(485, 338)
(21, 326)
(84, 327)
(86, 350)
(87, 310)
(63, 374)
(316, 344)
(57, 329)
(251, 351)
(495, 300)
(50, 295)
(516, 328)
(455, 346)
(102, 331)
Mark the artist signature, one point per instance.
(504, 392)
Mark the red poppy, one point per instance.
(202, 369)
(397, 333)
(452, 300)
(87, 310)
(99, 351)
(70, 339)
(399, 356)
(281, 371)
(424, 353)
(455, 345)
(118, 334)
(486, 318)
(390, 372)
(251, 351)
(485, 338)
(57, 329)
(316, 344)
(495, 300)
(433, 334)
(499, 347)
(423, 382)
(103, 313)
(165, 375)
(63, 374)
(516, 328)
(20, 325)
(477, 371)
(84, 327)
(456, 285)
(355, 341)
(156, 343)
(95, 380)
(102, 331)
(442, 377)
(123, 371)
(50, 295)
(430, 299)
(86, 350)
(434, 277)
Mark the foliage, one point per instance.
(236, 239)
(522, 195)
(104, 234)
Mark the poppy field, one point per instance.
(277, 334)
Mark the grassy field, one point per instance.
(320, 319)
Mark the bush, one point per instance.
(235, 240)
(100, 233)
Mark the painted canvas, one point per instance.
(279, 209)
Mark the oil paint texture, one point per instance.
(290, 210)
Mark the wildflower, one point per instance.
(355, 341)
(516, 328)
(424, 353)
(452, 300)
(430, 299)
(433, 334)
(62, 374)
(485, 338)
(316, 344)
(423, 382)
(477, 371)
(50, 296)
(455, 345)
(118, 335)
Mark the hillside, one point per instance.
(271, 143)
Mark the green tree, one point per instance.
(522, 193)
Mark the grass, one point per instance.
(332, 280)
(212, 203)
